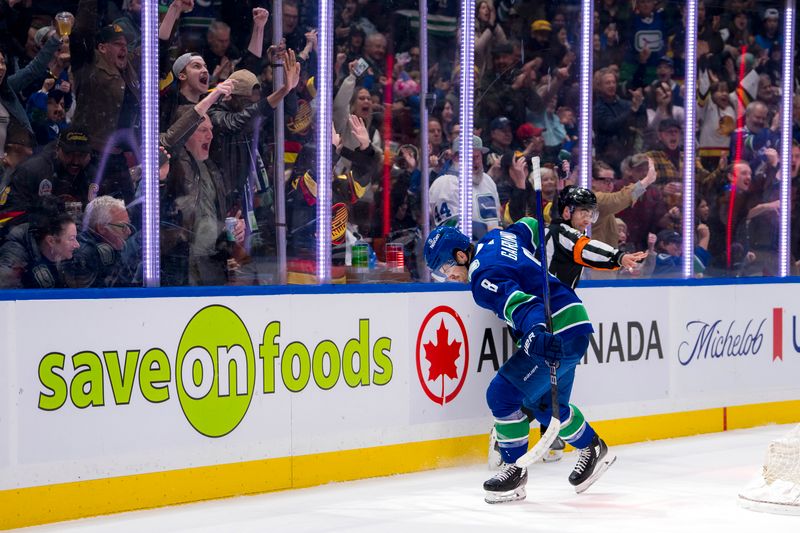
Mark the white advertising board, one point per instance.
(132, 386)
(7, 362)
(734, 344)
(363, 409)
(128, 386)
(718, 345)
(101, 394)
(628, 356)
(444, 384)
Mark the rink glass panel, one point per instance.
(245, 243)
(73, 136)
(638, 67)
(381, 198)
(527, 98)
(375, 74)
(378, 83)
(382, 204)
(737, 182)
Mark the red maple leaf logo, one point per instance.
(442, 355)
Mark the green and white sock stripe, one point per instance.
(569, 316)
(516, 299)
(572, 426)
(512, 430)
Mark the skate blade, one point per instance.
(552, 456)
(602, 466)
(504, 497)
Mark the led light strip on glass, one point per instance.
(467, 25)
(784, 247)
(689, 145)
(150, 134)
(585, 116)
(324, 135)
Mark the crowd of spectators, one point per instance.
(70, 116)
(639, 113)
(527, 102)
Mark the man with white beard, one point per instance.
(444, 195)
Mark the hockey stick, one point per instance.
(536, 453)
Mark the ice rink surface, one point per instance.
(682, 485)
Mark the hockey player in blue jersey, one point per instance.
(569, 250)
(506, 277)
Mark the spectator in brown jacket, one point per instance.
(195, 248)
(107, 97)
(609, 203)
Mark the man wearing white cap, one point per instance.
(192, 77)
(769, 36)
(190, 71)
(444, 195)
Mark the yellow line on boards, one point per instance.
(67, 501)
(747, 416)
(663, 426)
(80, 499)
(347, 465)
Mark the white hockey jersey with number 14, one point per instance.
(445, 202)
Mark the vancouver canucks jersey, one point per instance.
(506, 278)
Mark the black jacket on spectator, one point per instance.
(552, 53)
(295, 40)
(213, 60)
(718, 224)
(498, 98)
(43, 174)
(169, 100)
(14, 24)
(97, 264)
(234, 146)
(179, 203)
(22, 265)
(521, 202)
(763, 231)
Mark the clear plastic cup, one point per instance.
(395, 260)
(360, 255)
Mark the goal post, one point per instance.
(777, 489)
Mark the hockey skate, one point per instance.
(592, 462)
(507, 485)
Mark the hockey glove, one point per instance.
(542, 343)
